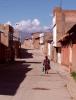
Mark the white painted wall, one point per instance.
(54, 36)
(54, 20)
(54, 31)
(59, 58)
(41, 38)
(49, 49)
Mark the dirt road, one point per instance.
(24, 80)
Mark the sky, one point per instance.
(31, 15)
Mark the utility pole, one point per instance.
(60, 4)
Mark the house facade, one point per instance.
(47, 45)
(68, 44)
(27, 44)
(6, 43)
(42, 42)
(36, 40)
(63, 20)
(16, 43)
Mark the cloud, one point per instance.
(9, 23)
(36, 22)
(26, 27)
(29, 26)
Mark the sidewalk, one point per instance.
(59, 69)
(71, 84)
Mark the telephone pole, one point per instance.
(60, 4)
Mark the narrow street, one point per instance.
(24, 80)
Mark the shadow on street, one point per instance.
(25, 54)
(11, 75)
(33, 62)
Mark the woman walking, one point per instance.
(46, 64)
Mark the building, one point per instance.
(63, 20)
(68, 45)
(41, 35)
(16, 43)
(6, 43)
(47, 46)
(27, 43)
(42, 41)
(36, 40)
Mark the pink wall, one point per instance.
(74, 57)
(65, 56)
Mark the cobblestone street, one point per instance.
(24, 80)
